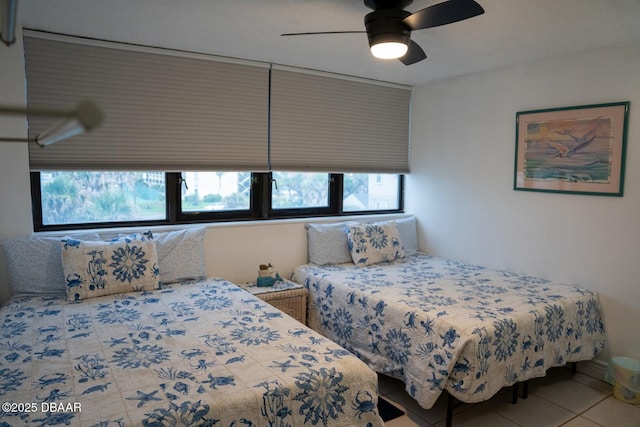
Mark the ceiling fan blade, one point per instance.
(413, 55)
(443, 13)
(323, 32)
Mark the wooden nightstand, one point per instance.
(286, 296)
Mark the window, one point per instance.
(264, 117)
(299, 190)
(215, 191)
(371, 192)
(77, 199)
(101, 197)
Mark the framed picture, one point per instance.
(578, 150)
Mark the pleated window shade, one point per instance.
(326, 124)
(162, 111)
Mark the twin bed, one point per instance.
(437, 324)
(193, 352)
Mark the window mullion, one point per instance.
(336, 192)
(261, 197)
(401, 193)
(36, 201)
(174, 201)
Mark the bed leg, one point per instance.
(574, 368)
(525, 389)
(515, 389)
(451, 403)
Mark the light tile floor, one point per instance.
(559, 399)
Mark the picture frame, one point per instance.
(577, 150)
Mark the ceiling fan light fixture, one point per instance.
(389, 50)
(389, 25)
(388, 37)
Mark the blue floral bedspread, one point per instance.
(441, 325)
(201, 353)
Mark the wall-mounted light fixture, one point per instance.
(8, 13)
(83, 118)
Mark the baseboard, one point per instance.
(594, 368)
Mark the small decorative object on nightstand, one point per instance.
(267, 276)
(284, 295)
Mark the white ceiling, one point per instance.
(510, 32)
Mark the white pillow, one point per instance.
(327, 243)
(374, 243)
(93, 269)
(408, 234)
(34, 264)
(181, 255)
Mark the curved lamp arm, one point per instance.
(8, 13)
(85, 117)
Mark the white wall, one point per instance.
(15, 199)
(461, 182)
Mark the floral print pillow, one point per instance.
(93, 269)
(374, 243)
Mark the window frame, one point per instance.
(260, 206)
(335, 198)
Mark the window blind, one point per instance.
(162, 111)
(327, 124)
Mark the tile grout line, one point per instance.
(593, 406)
(580, 414)
(503, 417)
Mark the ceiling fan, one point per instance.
(389, 26)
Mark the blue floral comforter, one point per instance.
(201, 353)
(441, 325)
